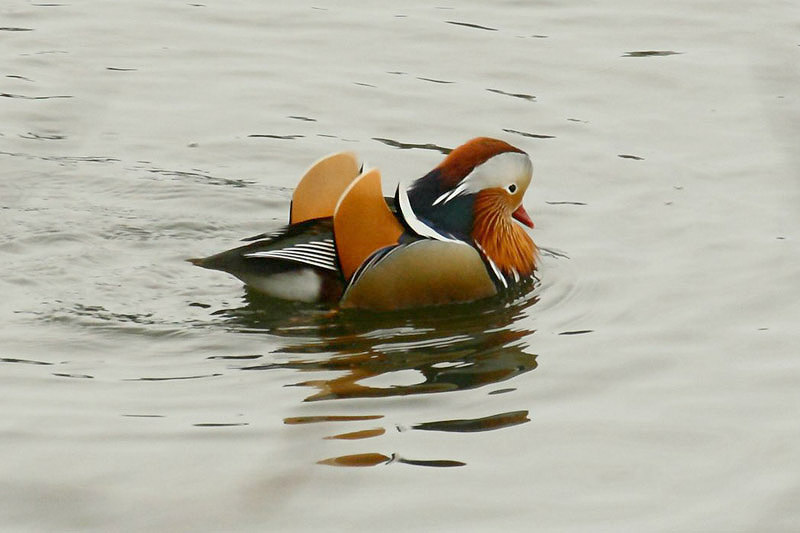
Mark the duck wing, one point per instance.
(363, 223)
(321, 186)
(307, 244)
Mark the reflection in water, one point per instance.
(451, 348)
(312, 419)
(374, 459)
(487, 423)
(651, 53)
(360, 459)
(459, 362)
(357, 435)
(445, 349)
(503, 391)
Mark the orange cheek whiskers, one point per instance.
(503, 241)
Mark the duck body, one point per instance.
(444, 238)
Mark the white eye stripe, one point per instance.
(496, 171)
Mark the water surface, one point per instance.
(649, 382)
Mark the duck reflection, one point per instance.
(442, 349)
(450, 348)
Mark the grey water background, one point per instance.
(649, 383)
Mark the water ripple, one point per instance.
(274, 136)
(470, 25)
(410, 146)
(25, 97)
(651, 53)
(523, 96)
(526, 134)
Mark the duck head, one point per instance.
(472, 196)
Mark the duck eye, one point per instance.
(512, 188)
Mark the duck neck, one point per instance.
(448, 221)
(499, 238)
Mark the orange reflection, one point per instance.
(359, 459)
(355, 435)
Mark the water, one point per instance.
(648, 383)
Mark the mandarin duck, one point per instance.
(445, 237)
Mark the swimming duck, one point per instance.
(445, 237)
